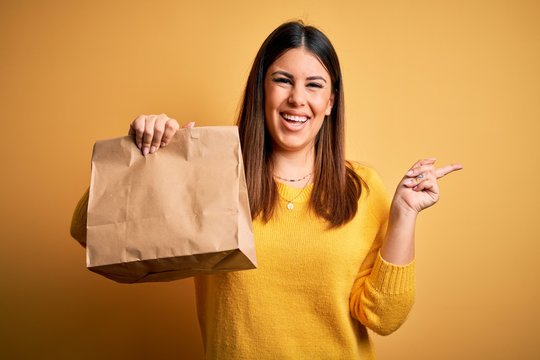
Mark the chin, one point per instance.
(291, 145)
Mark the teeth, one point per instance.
(295, 118)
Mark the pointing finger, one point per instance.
(445, 170)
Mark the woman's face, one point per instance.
(298, 95)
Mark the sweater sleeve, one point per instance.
(78, 221)
(383, 293)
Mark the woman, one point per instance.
(335, 257)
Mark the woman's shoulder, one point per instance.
(366, 173)
(374, 192)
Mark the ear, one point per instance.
(330, 105)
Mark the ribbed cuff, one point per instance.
(389, 278)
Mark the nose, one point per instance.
(297, 96)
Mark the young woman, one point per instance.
(335, 256)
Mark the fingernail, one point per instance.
(410, 173)
(139, 145)
(163, 144)
(152, 149)
(191, 124)
(145, 151)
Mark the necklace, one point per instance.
(292, 180)
(290, 204)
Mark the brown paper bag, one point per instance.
(179, 212)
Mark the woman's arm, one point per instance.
(417, 191)
(384, 290)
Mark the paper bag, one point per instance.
(179, 212)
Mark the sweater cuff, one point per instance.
(390, 278)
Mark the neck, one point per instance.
(293, 165)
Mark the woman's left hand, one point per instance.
(419, 189)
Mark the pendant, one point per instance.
(290, 206)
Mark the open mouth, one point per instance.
(294, 118)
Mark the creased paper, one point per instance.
(179, 212)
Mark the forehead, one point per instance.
(300, 63)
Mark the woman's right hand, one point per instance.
(150, 132)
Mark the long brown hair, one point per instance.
(336, 187)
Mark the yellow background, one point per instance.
(459, 80)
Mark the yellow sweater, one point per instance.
(315, 290)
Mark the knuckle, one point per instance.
(138, 123)
(138, 128)
(172, 125)
(161, 119)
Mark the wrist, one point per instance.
(402, 212)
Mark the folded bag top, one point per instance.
(179, 212)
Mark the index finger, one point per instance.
(445, 170)
(136, 129)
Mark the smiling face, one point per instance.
(298, 96)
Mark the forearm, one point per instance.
(398, 245)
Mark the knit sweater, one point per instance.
(315, 290)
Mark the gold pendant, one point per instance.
(290, 206)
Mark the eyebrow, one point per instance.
(286, 74)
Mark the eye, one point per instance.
(315, 85)
(282, 80)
